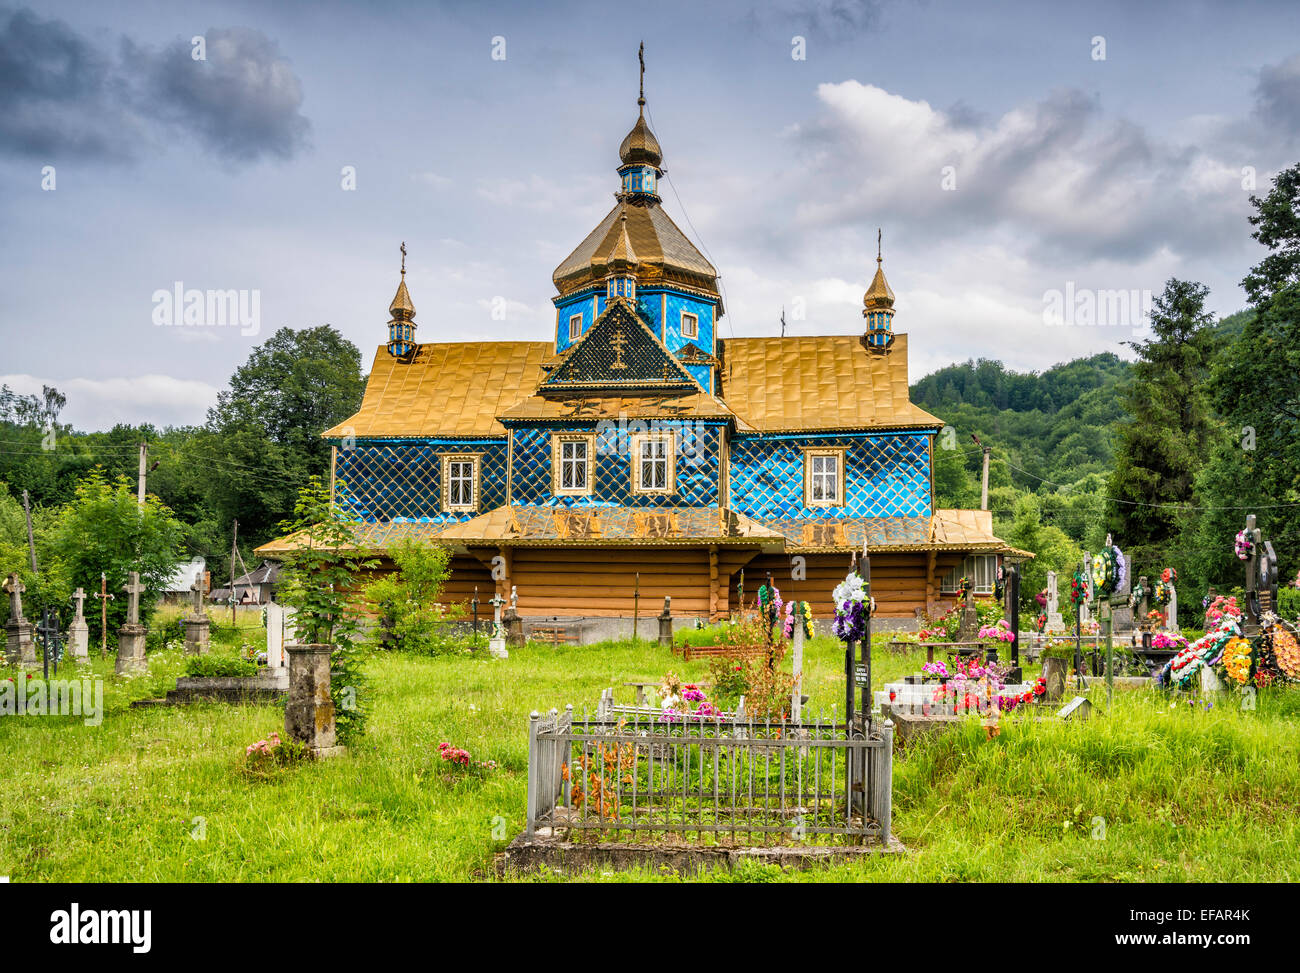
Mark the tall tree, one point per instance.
(1168, 429)
(1277, 226)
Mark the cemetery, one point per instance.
(638, 599)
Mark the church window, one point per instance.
(652, 463)
(460, 482)
(824, 478)
(575, 327)
(571, 459)
(690, 325)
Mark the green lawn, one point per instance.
(1186, 794)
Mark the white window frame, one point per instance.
(669, 460)
(982, 569)
(812, 458)
(448, 461)
(574, 335)
(558, 442)
(694, 331)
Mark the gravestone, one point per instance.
(970, 620)
(497, 644)
(513, 621)
(79, 631)
(20, 649)
(1082, 609)
(197, 626)
(1171, 610)
(275, 626)
(666, 622)
(309, 713)
(1122, 613)
(1144, 605)
(131, 636)
(1077, 708)
(1055, 623)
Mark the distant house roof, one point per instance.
(267, 573)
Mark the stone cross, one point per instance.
(1053, 607)
(197, 588)
(133, 590)
(514, 597)
(496, 602)
(1171, 610)
(15, 587)
(79, 596)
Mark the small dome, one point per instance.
(640, 147)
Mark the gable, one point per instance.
(620, 354)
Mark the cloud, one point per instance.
(97, 404)
(243, 101)
(1277, 96)
(63, 97)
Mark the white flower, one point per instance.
(850, 589)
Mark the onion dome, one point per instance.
(878, 307)
(401, 328)
(640, 147)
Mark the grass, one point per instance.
(157, 794)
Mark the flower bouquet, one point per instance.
(1244, 547)
(853, 607)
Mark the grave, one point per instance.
(279, 632)
(309, 713)
(196, 624)
(1055, 623)
(20, 649)
(666, 622)
(79, 631)
(513, 621)
(497, 644)
(131, 636)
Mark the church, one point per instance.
(638, 454)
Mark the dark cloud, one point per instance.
(1277, 96)
(58, 96)
(243, 101)
(63, 97)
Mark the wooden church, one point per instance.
(639, 452)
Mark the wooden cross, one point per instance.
(15, 587)
(104, 598)
(133, 589)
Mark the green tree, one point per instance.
(1169, 429)
(412, 618)
(1277, 226)
(105, 530)
(1052, 548)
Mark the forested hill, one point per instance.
(1054, 424)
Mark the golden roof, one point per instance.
(822, 382)
(446, 389)
(663, 253)
(878, 295)
(622, 257)
(640, 147)
(969, 530)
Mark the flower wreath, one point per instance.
(1136, 595)
(1000, 583)
(1164, 593)
(1237, 660)
(1078, 588)
(1108, 570)
(1286, 649)
(964, 585)
(1205, 651)
(1244, 546)
(853, 606)
(797, 612)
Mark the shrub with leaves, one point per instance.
(320, 581)
(411, 619)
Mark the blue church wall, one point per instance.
(885, 476)
(401, 480)
(696, 466)
(566, 309)
(703, 310)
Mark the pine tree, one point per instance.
(1163, 442)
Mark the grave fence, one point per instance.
(640, 776)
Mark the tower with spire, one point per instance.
(878, 307)
(401, 327)
(638, 253)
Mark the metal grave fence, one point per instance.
(639, 776)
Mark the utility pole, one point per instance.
(31, 542)
(144, 459)
(234, 552)
(984, 480)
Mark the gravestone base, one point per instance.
(309, 714)
(1055, 623)
(20, 650)
(666, 630)
(79, 639)
(130, 649)
(197, 629)
(497, 649)
(513, 623)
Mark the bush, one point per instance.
(201, 666)
(411, 618)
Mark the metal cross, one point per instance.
(104, 598)
(49, 633)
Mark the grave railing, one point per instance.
(641, 777)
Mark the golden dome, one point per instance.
(879, 296)
(640, 147)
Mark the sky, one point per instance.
(1024, 162)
